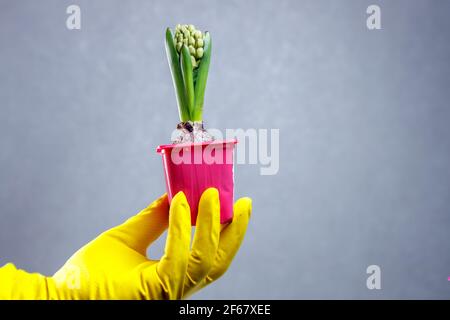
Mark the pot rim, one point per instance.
(163, 147)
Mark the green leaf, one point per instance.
(177, 77)
(202, 76)
(188, 78)
(195, 74)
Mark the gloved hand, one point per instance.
(115, 265)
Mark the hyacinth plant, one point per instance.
(189, 53)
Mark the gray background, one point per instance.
(363, 116)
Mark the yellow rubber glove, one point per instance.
(115, 265)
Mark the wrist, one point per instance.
(16, 284)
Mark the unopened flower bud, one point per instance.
(187, 35)
(194, 62)
(199, 53)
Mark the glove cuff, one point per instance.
(16, 284)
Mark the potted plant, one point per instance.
(195, 161)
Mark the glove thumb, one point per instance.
(141, 230)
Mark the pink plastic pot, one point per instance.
(195, 167)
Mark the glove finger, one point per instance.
(141, 230)
(231, 238)
(173, 265)
(206, 239)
